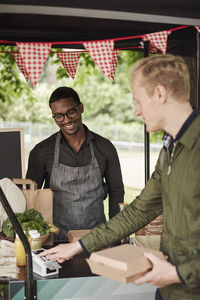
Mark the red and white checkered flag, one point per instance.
(157, 40)
(69, 61)
(102, 54)
(20, 63)
(34, 56)
(114, 63)
(197, 28)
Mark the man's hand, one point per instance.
(63, 252)
(163, 273)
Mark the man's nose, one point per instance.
(66, 118)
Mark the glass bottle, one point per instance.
(35, 242)
(30, 233)
(19, 252)
(126, 239)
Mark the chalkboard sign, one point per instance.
(11, 153)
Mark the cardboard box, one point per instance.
(124, 263)
(75, 235)
(147, 241)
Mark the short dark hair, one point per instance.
(64, 92)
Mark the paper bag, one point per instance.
(39, 199)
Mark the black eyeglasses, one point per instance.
(71, 113)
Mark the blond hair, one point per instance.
(167, 70)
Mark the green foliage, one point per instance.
(102, 96)
(8, 229)
(128, 58)
(156, 136)
(11, 85)
(103, 99)
(33, 215)
(29, 219)
(87, 67)
(106, 99)
(28, 108)
(18, 100)
(32, 225)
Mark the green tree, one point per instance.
(101, 96)
(107, 100)
(18, 100)
(12, 87)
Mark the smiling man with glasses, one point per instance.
(80, 166)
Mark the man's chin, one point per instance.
(69, 132)
(150, 129)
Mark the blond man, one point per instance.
(161, 90)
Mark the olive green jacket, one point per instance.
(174, 189)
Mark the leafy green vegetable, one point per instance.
(8, 229)
(30, 219)
(33, 215)
(33, 225)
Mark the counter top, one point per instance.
(77, 267)
(75, 281)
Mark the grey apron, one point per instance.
(78, 194)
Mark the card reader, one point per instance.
(43, 266)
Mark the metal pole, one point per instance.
(30, 285)
(146, 134)
(198, 71)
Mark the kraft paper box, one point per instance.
(75, 235)
(147, 241)
(124, 263)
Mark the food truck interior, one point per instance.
(67, 23)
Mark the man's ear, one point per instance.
(161, 93)
(81, 107)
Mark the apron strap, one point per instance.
(57, 150)
(94, 160)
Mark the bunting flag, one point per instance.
(151, 48)
(158, 40)
(34, 56)
(20, 63)
(69, 61)
(102, 54)
(114, 63)
(197, 28)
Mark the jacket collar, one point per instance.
(168, 141)
(191, 134)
